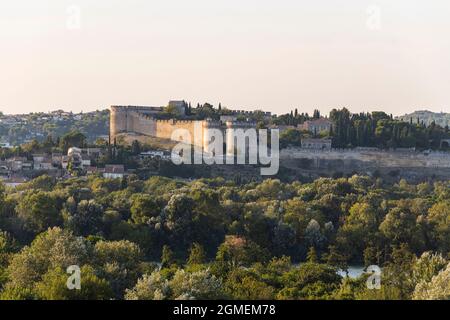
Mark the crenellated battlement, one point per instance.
(174, 121)
(144, 109)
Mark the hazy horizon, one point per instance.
(269, 55)
(324, 113)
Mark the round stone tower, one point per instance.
(117, 120)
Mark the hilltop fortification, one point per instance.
(143, 121)
(135, 120)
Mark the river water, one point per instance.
(353, 272)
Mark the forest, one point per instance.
(164, 238)
(377, 129)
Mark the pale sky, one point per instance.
(276, 55)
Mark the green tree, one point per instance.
(439, 219)
(200, 285)
(359, 229)
(246, 285)
(38, 211)
(44, 183)
(399, 226)
(310, 281)
(2, 195)
(51, 249)
(397, 277)
(149, 287)
(135, 147)
(7, 247)
(53, 286)
(87, 218)
(143, 208)
(119, 263)
(427, 266)
(167, 258)
(312, 255)
(196, 255)
(336, 259)
(72, 139)
(436, 289)
(11, 292)
(236, 251)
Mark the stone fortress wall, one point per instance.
(413, 166)
(376, 158)
(142, 121)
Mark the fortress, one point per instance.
(134, 121)
(144, 121)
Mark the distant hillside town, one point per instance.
(23, 128)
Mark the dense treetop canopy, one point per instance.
(212, 238)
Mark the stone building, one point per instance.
(116, 171)
(42, 162)
(317, 126)
(180, 106)
(18, 163)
